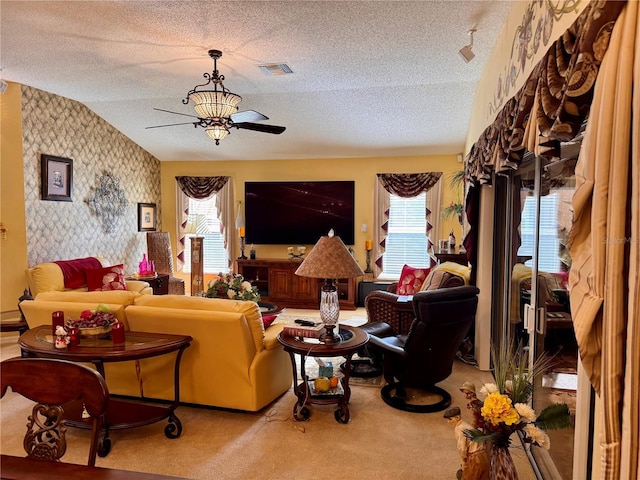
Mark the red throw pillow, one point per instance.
(268, 320)
(107, 278)
(411, 279)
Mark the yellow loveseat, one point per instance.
(231, 363)
(48, 277)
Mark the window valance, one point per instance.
(201, 187)
(408, 184)
(553, 103)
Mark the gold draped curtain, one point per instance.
(575, 80)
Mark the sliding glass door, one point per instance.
(536, 311)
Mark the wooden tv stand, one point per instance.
(277, 283)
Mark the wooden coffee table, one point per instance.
(122, 412)
(353, 339)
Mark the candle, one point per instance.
(74, 336)
(242, 231)
(57, 319)
(290, 249)
(367, 244)
(117, 332)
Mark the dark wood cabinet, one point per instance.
(277, 283)
(159, 282)
(460, 258)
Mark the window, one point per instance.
(407, 239)
(549, 249)
(216, 257)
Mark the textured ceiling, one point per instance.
(371, 78)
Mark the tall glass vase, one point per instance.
(502, 466)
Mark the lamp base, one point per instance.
(328, 336)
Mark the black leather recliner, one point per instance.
(425, 356)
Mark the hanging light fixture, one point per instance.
(217, 132)
(466, 52)
(217, 105)
(217, 108)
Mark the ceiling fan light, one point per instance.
(217, 132)
(215, 104)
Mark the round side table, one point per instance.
(352, 340)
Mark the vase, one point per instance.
(502, 466)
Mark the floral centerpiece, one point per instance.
(232, 286)
(506, 410)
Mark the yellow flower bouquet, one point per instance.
(506, 409)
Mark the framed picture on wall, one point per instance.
(146, 217)
(57, 178)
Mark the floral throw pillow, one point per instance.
(107, 278)
(411, 280)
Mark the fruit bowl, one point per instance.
(95, 332)
(93, 324)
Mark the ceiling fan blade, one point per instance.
(175, 113)
(248, 116)
(260, 128)
(174, 124)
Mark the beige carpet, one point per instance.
(378, 443)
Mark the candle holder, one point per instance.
(368, 269)
(242, 245)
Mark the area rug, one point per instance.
(379, 442)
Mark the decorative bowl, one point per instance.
(95, 332)
(96, 326)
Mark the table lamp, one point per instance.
(329, 259)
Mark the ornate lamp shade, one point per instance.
(215, 103)
(217, 132)
(329, 259)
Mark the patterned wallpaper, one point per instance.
(61, 127)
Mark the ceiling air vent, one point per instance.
(275, 69)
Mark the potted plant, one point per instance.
(455, 207)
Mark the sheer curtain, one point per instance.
(202, 188)
(404, 185)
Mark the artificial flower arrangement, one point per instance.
(506, 408)
(232, 286)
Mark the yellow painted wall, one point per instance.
(362, 170)
(13, 249)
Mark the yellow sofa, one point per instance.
(231, 363)
(48, 277)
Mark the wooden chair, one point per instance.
(52, 383)
(159, 251)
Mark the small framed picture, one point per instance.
(146, 217)
(57, 178)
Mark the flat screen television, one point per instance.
(298, 213)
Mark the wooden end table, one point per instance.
(122, 412)
(159, 282)
(353, 339)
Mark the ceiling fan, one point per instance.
(217, 108)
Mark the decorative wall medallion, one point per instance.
(107, 201)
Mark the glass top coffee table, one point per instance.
(352, 340)
(122, 412)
